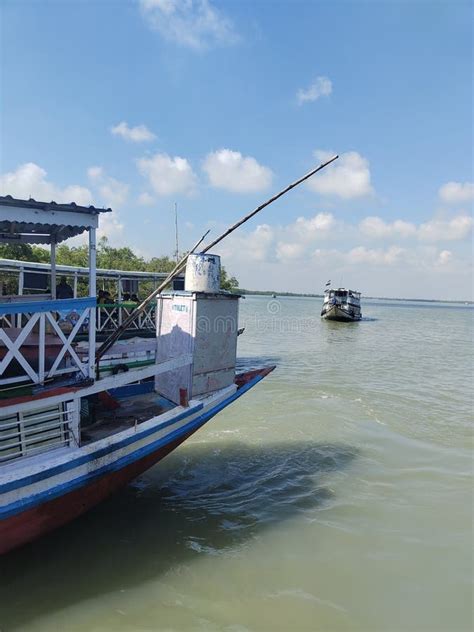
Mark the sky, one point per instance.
(216, 105)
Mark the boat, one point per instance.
(341, 304)
(76, 425)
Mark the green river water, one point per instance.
(336, 495)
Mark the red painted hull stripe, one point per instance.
(59, 490)
(37, 521)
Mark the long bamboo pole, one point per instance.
(114, 336)
(270, 201)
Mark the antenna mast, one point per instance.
(176, 231)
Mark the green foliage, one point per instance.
(228, 283)
(24, 252)
(108, 258)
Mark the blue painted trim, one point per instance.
(70, 465)
(61, 305)
(60, 490)
(129, 390)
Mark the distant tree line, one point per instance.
(278, 294)
(108, 258)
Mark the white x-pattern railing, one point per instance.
(109, 317)
(36, 318)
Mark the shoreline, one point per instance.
(270, 293)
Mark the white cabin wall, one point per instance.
(174, 330)
(215, 346)
(204, 325)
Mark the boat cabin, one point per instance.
(342, 294)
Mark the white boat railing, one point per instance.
(37, 339)
(27, 433)
(109, 317)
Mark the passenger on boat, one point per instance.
(127, 300)
(64, 290)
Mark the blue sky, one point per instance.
(215, 105)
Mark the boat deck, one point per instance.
(112, 415)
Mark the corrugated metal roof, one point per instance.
(8, 200)
(30, 221)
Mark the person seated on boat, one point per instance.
(134, 298)
(64, 290)
(108, 298)
(101, 297)
(127, 300)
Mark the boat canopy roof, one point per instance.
(32, 222)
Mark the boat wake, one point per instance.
(244, 488)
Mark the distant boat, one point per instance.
(274, 295)
(342, 305)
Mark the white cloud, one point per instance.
(114, 194)
(258, 243)
(377, 228)
(378, 256)
(229, 170)
(252, 246)
(454, 229)
(321, 87)
(195, 24)
(303, 254)
(168, 175)
(418, 258)
(111, 191)
(29, 180)
(279, 243)
(457, 192)
(94, 173)
(289, 251)
(445, 257)
(137, 134)
(111, 227)
(309, 228)
(145, 199)
(348, 177)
